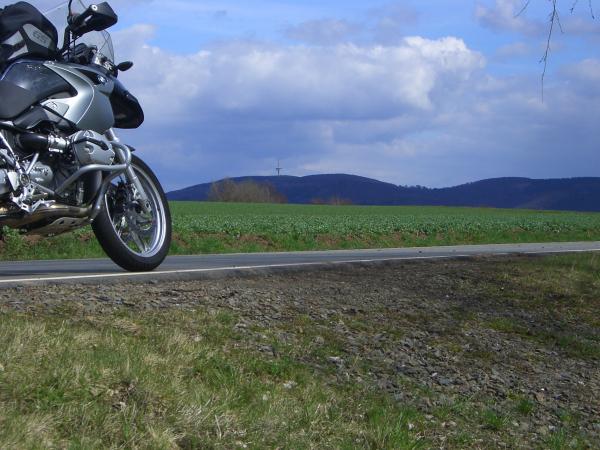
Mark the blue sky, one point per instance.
(434, 93)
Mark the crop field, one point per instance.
(305, 227)
(343, 220)
(226, 227)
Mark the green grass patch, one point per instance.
(573, 345)
(493, 420)
(563, 440)
(226, 227)
(524, 406)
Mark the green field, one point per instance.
(227, 227)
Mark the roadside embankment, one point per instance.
(488, 352)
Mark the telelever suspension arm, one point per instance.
(131, 176)
(124, 155)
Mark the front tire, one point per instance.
(135, 240)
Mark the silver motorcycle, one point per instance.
(62, 166)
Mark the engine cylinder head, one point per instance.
(90, 147)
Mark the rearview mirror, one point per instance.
(124, 66)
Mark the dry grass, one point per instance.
(174, 380)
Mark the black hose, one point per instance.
(33, 142)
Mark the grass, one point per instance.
(224, 228)
(565, 287)
(176, 380)
(494, 421)
(524, 406)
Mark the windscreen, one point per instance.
(99, 39)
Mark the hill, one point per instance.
(569, 194)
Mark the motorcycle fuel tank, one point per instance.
(37, 79)
(90, 108)
(26, 83)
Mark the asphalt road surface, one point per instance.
(189, 267)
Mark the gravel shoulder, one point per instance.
(491, 352)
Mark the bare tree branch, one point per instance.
(554, 20)
(525, 6)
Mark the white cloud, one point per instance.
(388, 22)
(505, 15)
(533, 19)
(588, 69)
(275, 82)
(514, 50)
(585, 74)
(324, 31)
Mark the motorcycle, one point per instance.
(62, 166)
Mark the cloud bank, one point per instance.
(355, 95)
(422, 111)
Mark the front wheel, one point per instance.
(135, 239)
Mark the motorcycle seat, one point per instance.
(14, 100)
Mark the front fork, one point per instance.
(139, 194)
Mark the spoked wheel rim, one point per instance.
(142, 233)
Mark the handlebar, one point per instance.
(88, 55)
(75, 20)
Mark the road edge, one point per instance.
(248, 272)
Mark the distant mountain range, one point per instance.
(570, 194)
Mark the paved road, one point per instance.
(71, 271)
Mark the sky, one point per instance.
(434, 93)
